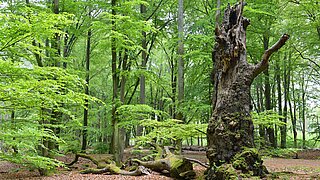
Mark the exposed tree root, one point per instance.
(198, 162)
(107, 166)
(100, 164)
(176, 166)
(113, 169)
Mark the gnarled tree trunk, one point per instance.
(230, 127)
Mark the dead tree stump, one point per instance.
(230, 129)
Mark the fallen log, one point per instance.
(107, 166)
(176, 166)
(113, 169)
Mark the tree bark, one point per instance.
(274, 102)
(293, 115)
(286, 78)
(115, 134)
(143, 10)
(123, 134)
(303, 110)
(230, 128)
(180, 68)
(173, 88)
(180, 56)
(278, 78)
(267, 93)
(86, 89)
(262, 130)
(56, 41)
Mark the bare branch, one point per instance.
(201, 131)
(155, 10)
(301, 55)
(265, 57)
(197, 161)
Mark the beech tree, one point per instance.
(230, 127)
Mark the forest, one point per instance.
(184, 89)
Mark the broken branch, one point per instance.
(197, 161)
(265, 57)
(301, 55)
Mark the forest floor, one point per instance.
(306, 167)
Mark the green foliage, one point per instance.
(315, 126)
(100, 148)
(226, 171)
(32, 161)
(33, 97)
(165, 131)
(21, 24)
(267, 119)
(131, 115)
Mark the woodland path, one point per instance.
(283, 168)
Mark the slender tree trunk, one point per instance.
(286, 77)
(262, 129)
(86, 89)
(278, 79)
(274, 102)
(180, 68)
(56, 40)
(15, 149)
(267, 93)
(123, 78)
(115, 135)
(143, 10)
(65, 50)
(123, 136)
(293, 115)
(230, 128)
(180, 57)
(303, 109)
(173, 88)
(34, 43)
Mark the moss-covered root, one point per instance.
(225, 171)
(181, 168)
(100, 164)
(113, 169)
(177, 166)
(157, 165)
(245, 164)
(249, 162)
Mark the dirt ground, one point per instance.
(307, 168)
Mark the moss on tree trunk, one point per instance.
(230, 128)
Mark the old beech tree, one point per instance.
(230, 127)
